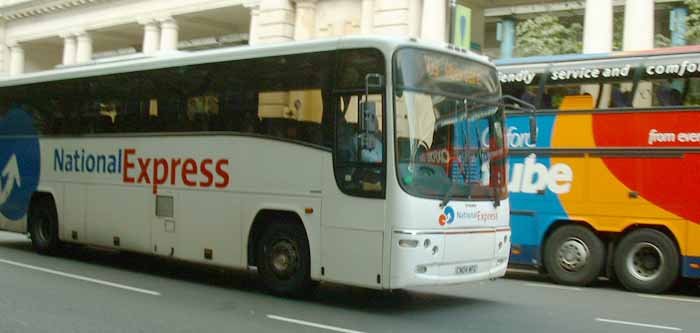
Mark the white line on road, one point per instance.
(638, 324)
(669, 298)
(82, 278)
(308, 323)
(544, 285)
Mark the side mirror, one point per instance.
(533, 129)
(368, 110)
(369, 126)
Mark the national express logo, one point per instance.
(19, 163)
(447, 216)
(469, 214)
(134, 168)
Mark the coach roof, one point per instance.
(139, 62)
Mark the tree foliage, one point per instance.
(546, 35)
(692, 33)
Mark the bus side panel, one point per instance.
(535, 182)
(691, 260)
(208, 220)
(113, 211)
(576, 179)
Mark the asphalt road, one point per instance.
(87, 290)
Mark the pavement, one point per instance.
(89, 290)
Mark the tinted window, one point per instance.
(287, 97)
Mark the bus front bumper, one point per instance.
(442, 257)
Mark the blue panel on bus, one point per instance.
(688, 271)
(19, 163)
(533, 202)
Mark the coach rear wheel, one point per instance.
(574, 255)
(43, 226)
(283, 259)
(646, 260)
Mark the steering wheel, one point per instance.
(426, 171)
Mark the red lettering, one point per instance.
(143, 176)
(158, 177)
(222, 173)
(206, 172)
(128, 165)
(189, 168)
(173, 170)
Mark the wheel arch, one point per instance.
(264, 218)
(658, 227)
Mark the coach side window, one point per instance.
(360, 148)
(285, 97)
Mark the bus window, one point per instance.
(669, 92)
(359, 138)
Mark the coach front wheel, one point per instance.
(43, 225)
(646, 260)
(574, 255)
(283, 259)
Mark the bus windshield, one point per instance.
(449, 131)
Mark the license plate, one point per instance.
(466, 269)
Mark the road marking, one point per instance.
(638, 324)
(82, 278)
(544, 285)
(669, 298)
(308, 323)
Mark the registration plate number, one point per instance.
(466, 269)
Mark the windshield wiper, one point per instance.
(448, 195)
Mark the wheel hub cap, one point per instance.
(284, 259)
(573, 254)
(645, 261)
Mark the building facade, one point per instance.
(37, 35)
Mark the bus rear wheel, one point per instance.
(574, 255)
(43, 225)
(283, 259)
(646, 260)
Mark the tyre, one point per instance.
(574, 255)
(646, 260)
(283, 259)
(43, 226)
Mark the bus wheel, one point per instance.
(283, 259)
(574, 255)
(43, 225)
(646, 260)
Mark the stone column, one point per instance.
(254, 25)
(151, 36)
(506, 35)
(598, 26)
(16, 59)
(305, 23)
(4, 51)
(639, 25)
(367, 20)
(69, 49)
(276, 21)
(414, 9)
(83, 51)
(168, 34)
(639, 35)
(433, 21)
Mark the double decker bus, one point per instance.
(310, 161)
(613, 184)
